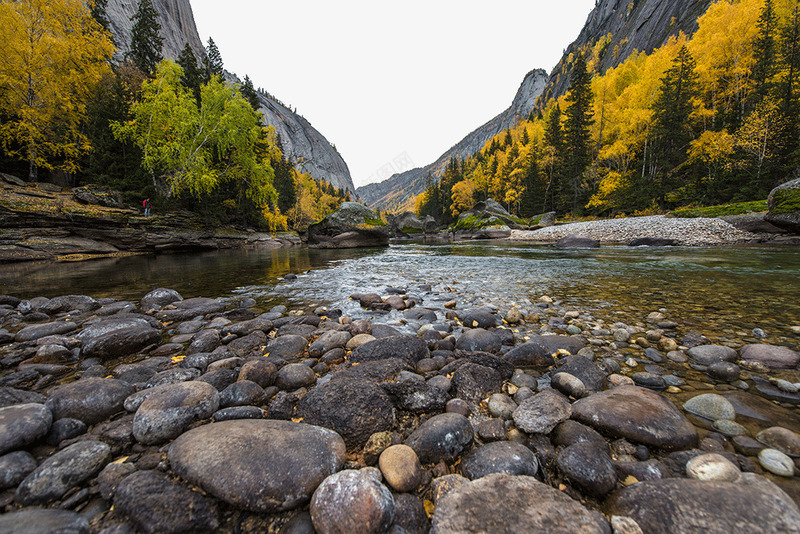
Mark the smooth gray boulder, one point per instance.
(442, 437)
(23, 424)
(352, 501)
(90, 400)
(259, 465)
(168, 411)
(43, 520)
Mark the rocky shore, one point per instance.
(198, 415)
(690, 232)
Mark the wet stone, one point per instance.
(773, 356)
(588, 466)
(782, 439)
(43, 520)
(712, 467)
(479, 339)
(708, 354)
(352, 501)
(710, 406)
(541, 413)
(154, 504)
(65, 429)
(401, 468)
(14, 467)
(294, 376)
(585, 370)
(63, 470)
(167, 412)
(241, 393)
(473, 382)
(776, 462)
(23, 424)
(501, 457)
(442, 437)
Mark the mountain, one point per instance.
(626, 26)
(620, 27)
(302, 143)
(397, 191)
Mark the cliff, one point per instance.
(396, 192)
(302, 143)
(633, 25)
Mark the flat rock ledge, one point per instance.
(687, 232)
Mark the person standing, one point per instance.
(147, 206)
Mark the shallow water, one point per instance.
(722, 292)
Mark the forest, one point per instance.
(177, 132)
(700, 121)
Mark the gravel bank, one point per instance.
(699, 231)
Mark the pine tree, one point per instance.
(193, 75)
(579, 112)
(146, 41)
(508, 139)
(764, 51)
(672, 131)
(530, 199)
(525, 139)
(553, 150)
(249, 93)
(214, 63)
(98, 10)
(788, 91)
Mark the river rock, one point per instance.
(782, 439)
(685, 505)
(501, 405)
(262, 372)
(241, 393)
(414, 395)
(250, 343)
(478, 319)
(294, 376)
(571, 344)
(576, 241)
(409, 348)
(652, 242)
(14, 467)
(90, 400)
(37, 331)
(64, 429)
(288, 347)
(570, 432)
(43, 520)
(585, 370)
(478, 339)
(409, 514)
(588, 466)
(503, 457)
(66, 303)
(353, 407)
(400, 467)
(529, 354)
(23, 424)
(773, 356)
(328, 341)
(352, 501)
(568, 384)
(259, 465)
(191, 308)
(442, 437)
(352, 225)
(637, 414)
(473, 382)
(726, 371)
(713, 467)
(762, 411)
(541, 413)
(783, 206)
(710, 406)
(708, 354)
(154, 504)
(160, 297)
(507, 503)
(776, 462)
(63, 470)
(117, 337)
(167, 412)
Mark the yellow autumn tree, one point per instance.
(52, 52)
(463, 196)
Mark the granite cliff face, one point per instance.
(632, 24)
(641, 25)
(302, 143)
(396, 192)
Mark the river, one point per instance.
(721, 291)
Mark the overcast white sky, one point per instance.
(382, 80)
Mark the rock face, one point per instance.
(398, 189)
(352, 225)
(506, 503)
(258, 465)
(784, 206)
(682, 505)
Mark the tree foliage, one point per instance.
(146, 40)
(52, 53)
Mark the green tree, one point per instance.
(672, 130)
(193, 76)
(146, 40)
(579, 112)
(532, 195)
(249, 93)
(214, 64)
(764, 51)
(99, 14)
(552, 157)
(52, 53)
(193, 150)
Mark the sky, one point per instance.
(392, 84)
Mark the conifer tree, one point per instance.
(671, 128)
(530, 199)
(579, 112)
(193, 75)
(249, 93)
(214, 64)
(554, 145)
(788, 90)
(146, 40)
(764, 51)
(98, 10)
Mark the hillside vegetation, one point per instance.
(703, 121)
